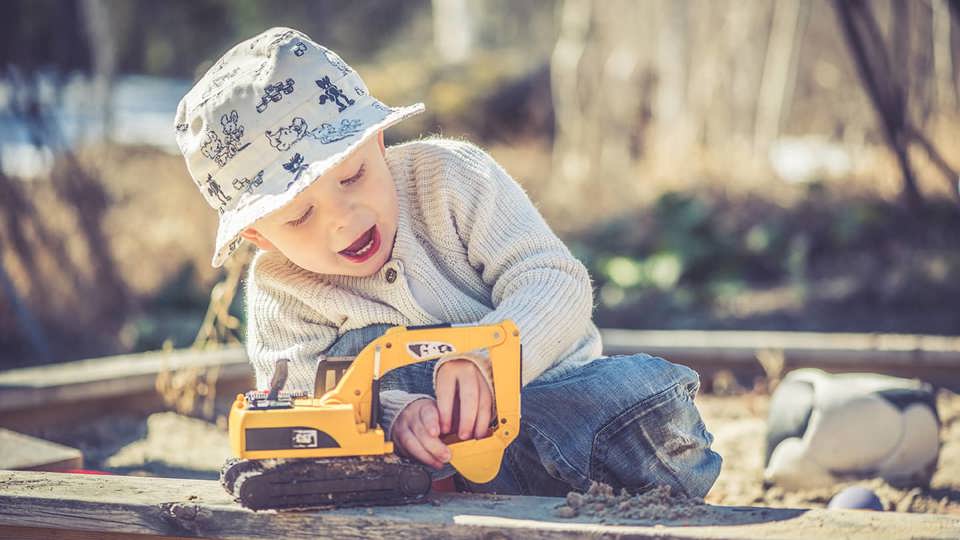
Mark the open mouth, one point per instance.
(364, 247)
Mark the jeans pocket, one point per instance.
(659, 440)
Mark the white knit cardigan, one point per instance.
(469, 233)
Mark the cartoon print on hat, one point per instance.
(285, 137)
(327, 133)
(215, 191)
(248, 185)
(295, 166)
(274, 93)
(333, 94)
(300, 48)
(337, 62)
(222, 151)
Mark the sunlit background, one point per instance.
(716, 164)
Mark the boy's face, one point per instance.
(343, 224)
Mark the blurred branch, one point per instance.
(953, 179)
(29, 327)
(869, 51)
(77, 291)
(219, 326)
(887, 88)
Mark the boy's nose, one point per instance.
(341, 213)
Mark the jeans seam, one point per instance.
(570, 373)
(559, 454)
(512, 470)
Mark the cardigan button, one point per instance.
(391, 275)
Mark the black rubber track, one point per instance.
(324, 483)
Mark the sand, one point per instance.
(737, 423)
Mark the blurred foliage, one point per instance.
(828, 262)
(171, 38)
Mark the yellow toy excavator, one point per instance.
(296, 451)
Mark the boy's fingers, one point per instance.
(432, 444)
(445, 390)
(411, 445)
(467, 387)
(430, 417)
(483, 412)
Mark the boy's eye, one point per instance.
(301, 219)
(353, 178)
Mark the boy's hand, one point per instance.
(416, 432)
(462, 378)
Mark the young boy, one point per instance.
(284, 140)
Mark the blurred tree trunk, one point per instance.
(103, 48)
(571, 162)
(453, 30)
(779, 70)
(943, 61)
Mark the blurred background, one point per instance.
(787, 165)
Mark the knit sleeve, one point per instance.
(534, 279)
(281, 325)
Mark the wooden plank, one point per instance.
(37, 533)
(197, 508)
(738, 346)
(19, 451)
(39, 397)
(112, 376)
(932, 358)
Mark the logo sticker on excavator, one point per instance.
(304, 438)
(424, 349)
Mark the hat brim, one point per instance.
(374, 116)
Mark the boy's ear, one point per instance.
(383, 149)
(253, 236)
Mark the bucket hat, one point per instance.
(270, 116)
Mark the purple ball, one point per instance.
(856, 497)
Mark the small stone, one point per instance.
(574, 499)
(565, 512)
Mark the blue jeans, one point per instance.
(627, 420)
